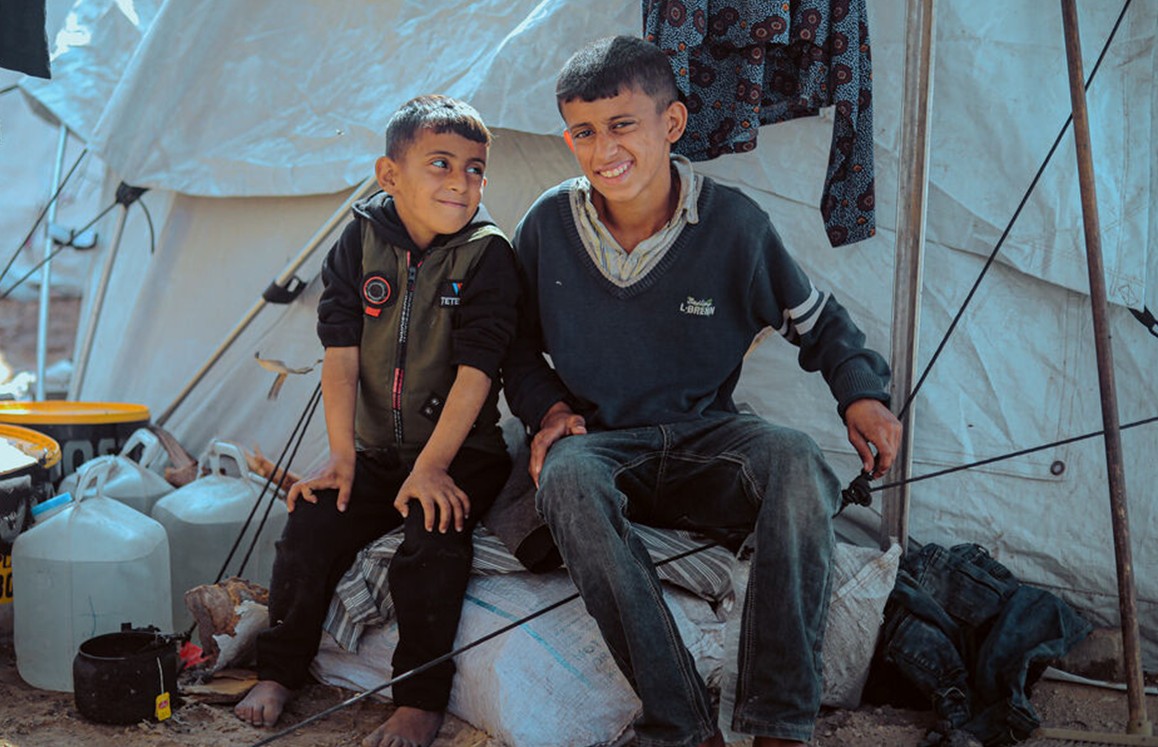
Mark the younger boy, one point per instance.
(646, 283)
(416, 315)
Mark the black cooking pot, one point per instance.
(120, 678)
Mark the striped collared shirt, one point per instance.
(617, 265)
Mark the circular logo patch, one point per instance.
(376, 290)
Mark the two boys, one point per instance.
(645, 283)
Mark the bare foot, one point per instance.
(716, 740)
(408, 727)
(263, 704)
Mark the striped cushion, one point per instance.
(362, 597)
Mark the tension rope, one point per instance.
(451, 654)
(126, 196)
(859, 490)
(307, 415)
(40, 217)
(281, 467)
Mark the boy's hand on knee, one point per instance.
(440, 498)
(559, 422)
(335, 474)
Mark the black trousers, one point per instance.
(428, 575)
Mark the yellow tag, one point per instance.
(5, 584)
(163, 709)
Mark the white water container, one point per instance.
(205, 518)
(82, 572)
(133, 477)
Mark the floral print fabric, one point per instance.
(740, 64)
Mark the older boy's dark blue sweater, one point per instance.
(670, 347)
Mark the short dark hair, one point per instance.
(605, 66)
(438, 114)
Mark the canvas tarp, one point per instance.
(250, 122)
(28, 149)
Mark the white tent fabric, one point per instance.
(251, 122)
(28, 150)
(28, 147)
(259, 98)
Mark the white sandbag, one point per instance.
(551, 682)
(862, 579)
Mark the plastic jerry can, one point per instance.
(84, 571)
(133, 477)
(205, 518)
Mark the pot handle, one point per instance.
(93, 473)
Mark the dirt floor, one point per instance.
(37, 718)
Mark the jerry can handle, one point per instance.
(219, 453)
(152, 452)
(93, 473)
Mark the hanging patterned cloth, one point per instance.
(742, 63)
(23, 43)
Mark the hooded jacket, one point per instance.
(415, 317)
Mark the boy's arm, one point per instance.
(831, 343)
(339, 398)
(533, 390)
(429, 483)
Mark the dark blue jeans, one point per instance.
(722, 472)
(971, 638)
(428, 575)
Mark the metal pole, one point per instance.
(46, 271)
(909, 267)
(1127, 595)
(286, 275)
(94, 312)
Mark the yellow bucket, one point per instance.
(83, 429)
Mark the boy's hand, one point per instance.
(871, 424)
(559, 422)
(436, 491)
(335, 474)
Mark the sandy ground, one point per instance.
(37, 718)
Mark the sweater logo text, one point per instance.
(450, 294)
(697, 307)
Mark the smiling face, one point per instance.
(436, 184)
(623, 145)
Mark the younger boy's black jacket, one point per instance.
(415, 317)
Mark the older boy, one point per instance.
(417, 313)
(646, 282)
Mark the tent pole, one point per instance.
(46, 271)
(1127, 594)
(285, 277)
(94, 310)
(909, 266)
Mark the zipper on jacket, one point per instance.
(412, 265)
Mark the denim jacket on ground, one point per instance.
(971, 638)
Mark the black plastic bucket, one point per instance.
(83, 430)
(126, 677)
